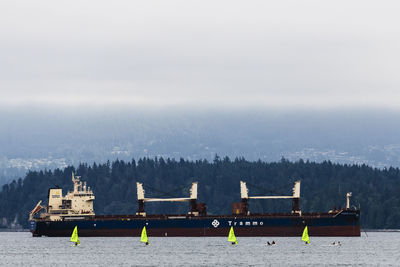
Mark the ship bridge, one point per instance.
(74, 204)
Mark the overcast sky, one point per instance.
(284, 54)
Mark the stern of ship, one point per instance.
(32, 228)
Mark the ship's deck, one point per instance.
(187, 216)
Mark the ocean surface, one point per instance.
(372, 249)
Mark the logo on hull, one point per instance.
(215, 223)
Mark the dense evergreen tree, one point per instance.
(324, 185)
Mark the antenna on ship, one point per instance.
(195, 208)
(243, 207)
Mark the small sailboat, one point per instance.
(305, 236)
(232, 237)
(75, 237)
(143, 237)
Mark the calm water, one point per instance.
(20, 249)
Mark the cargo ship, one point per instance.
(63, 213)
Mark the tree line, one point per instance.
(323, 187)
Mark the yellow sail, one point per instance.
(74, 236)
(232, 237)
(143, 237)
(305, 236)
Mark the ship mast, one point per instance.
(192, 199)
(348, 195)
(244, 192)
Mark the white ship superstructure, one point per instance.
(74, 205)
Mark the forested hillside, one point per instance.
(324, 185)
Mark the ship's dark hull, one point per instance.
(346, 223)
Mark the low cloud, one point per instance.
(204, 54)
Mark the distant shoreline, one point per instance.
(380, 230)
(13, 230)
